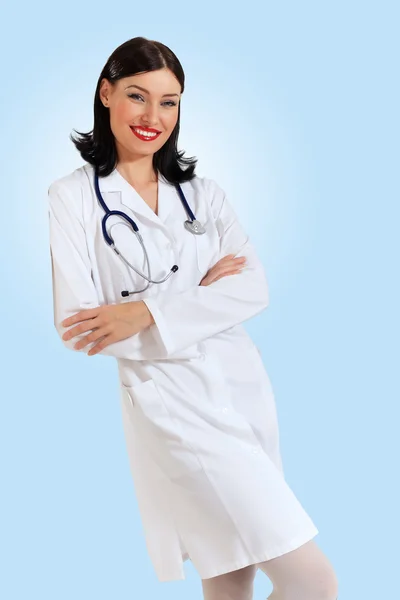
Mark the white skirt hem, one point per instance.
(228, 567)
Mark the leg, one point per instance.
(302, 574)
(235, 585)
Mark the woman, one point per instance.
(198, 408)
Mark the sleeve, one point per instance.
(203, 311)
(72, 283)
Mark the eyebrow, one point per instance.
(147, 92)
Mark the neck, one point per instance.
(138, 170)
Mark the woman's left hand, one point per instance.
(112, 322)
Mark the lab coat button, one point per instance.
(202, 356)
(255, 450)
(225, 409)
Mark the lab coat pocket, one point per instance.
(145, 397)
(159, 430)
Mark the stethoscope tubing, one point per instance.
(192, 225)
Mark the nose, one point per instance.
(150, 116)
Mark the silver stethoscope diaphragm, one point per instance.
(195, 227)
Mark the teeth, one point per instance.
(146, 133)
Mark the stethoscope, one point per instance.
(192, 225)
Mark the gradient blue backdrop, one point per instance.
(294, 109)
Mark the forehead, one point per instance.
(162, 81)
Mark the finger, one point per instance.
(82, 315)
(92, 337)
(233, 257)
(218, 270)
(101, 345)
(81, 328)
(221, 269)
(236, 272)
(71, 333)
(228, 258)
(225, 273)
(237, 260)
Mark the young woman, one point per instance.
(150, 265)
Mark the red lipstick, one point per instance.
(145, 138)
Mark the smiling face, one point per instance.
(148, 102)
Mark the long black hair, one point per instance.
(98, 147)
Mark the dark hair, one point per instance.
(98, 148)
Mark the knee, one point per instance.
(322, 584)
(238, 584)
(325, 585)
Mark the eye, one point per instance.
(139, 97)
(136, 96)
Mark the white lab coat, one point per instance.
(197, 405)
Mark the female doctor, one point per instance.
(150, 265)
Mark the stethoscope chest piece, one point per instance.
(195, 227)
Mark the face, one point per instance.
(140, 104)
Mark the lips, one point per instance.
(143, 137)
(150, 129)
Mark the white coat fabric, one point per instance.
(198, 409)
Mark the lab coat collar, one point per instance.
(122, 192)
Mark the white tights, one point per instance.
(302, 574)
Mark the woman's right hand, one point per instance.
(229, 265)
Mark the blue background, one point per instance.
(293, 108)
